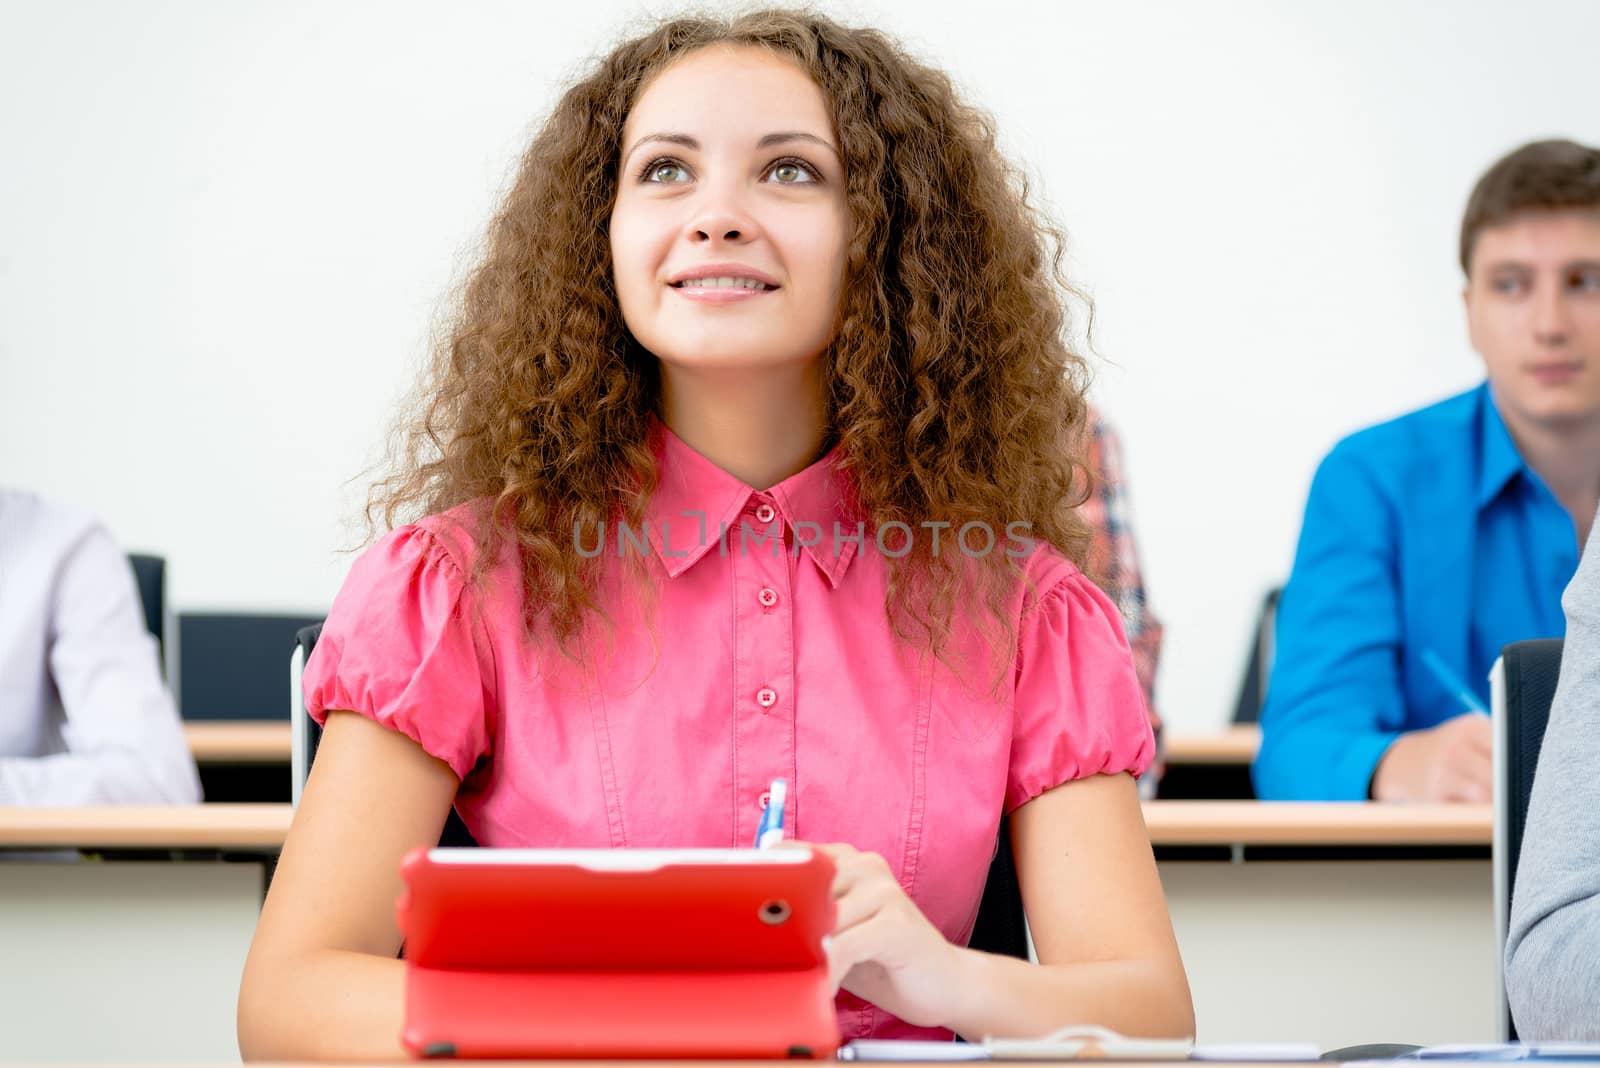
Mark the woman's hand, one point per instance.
(883, 949)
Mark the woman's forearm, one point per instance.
(348, 1006)
(1006, 997)
(328, 1006)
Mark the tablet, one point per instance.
(617, 953)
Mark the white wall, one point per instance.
(225, 230)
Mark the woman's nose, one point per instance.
(721, 215)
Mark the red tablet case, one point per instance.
(532, 953)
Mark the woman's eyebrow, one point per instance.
(794, 135)
(768, 141)
(672, 138)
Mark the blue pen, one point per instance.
(1449, 680)
(770, 830)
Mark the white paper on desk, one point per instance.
(1512, 1051)
(891, 1049)
(1256, 1051)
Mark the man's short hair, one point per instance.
(1542, 176)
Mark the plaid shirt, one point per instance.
(1114, 561)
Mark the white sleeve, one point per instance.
(124, 741)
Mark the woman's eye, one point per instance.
(1586, 281)
(791, 172)
(665, 171)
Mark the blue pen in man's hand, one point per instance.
(770, 830)
(1452, 682)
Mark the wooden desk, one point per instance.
(1170, 823)
(248, 761)
(1231, 745)
(260, 828)
(1296, 823)
(265, 742)
(1208, 765)
(1331, 950)
(1431, 1062)
(241, 742)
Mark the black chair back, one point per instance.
(307, 732)
(1258, 668)
(1529, 672)
(1002, 926)
(150, 575)
(230, 666)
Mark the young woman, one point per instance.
(731, 470)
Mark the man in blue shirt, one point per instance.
(1431, 541)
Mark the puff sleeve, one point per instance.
(403, 646)
(1078, 709)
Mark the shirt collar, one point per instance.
(697, 507)
(1499, 461)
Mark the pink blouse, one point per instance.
(758, 659)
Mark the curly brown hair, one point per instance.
(952, 391)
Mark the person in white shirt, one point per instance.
(85, 718)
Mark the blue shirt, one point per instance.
(1425, 534)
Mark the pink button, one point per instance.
(766, 697)
(765, 512)
(768, 597)
(765, 799)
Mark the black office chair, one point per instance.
(150, 575)
(1258, 669)
(1523, 684)
(230, 665)
(1001, 926)
(305, 732)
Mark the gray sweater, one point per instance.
(1553, 942)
